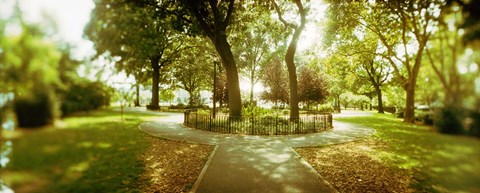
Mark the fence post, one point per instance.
(252, 125)
(325, 122)
(314, 129)
(330, 121)
(209, 122)
(229, 125)
(196, 120)
(276, 125)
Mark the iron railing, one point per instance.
(263, 125)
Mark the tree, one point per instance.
(274, 79)
(254, 42)
(213, 18)
(312, 86)
(443, 54)
(290, 55)
(110, 28)
(404, 29)
(194, 73)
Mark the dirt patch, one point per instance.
(173, 166)
(350, 167)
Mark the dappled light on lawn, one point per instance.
(430, 161)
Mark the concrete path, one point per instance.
(243, 163)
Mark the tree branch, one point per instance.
(280, 17)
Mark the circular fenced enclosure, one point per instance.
(264, 125)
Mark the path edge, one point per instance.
(204, 170)
(311, 168)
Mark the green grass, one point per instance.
(94, 153)
(438, 162)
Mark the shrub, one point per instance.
(84, 95)
(474, 126)
(424, 116)
(448, 120)
(35, 111)
(325, 108)
(255, 111)
(177, 106)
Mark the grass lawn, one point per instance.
(432, 162)
(95, 153)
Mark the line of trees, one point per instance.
(370, 48)
(41, 73)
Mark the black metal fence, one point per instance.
(267, 125)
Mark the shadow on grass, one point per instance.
(439, 162)
(94, 153)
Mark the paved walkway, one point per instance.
(242, 163)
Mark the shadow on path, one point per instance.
(256, 163)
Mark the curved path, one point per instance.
(243, 163)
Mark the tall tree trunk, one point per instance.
(292, 76)
(233, 85)
(137, 95)
(155, 81)
(378, 91)
(409, 114)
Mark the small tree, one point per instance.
(312, 86)
(275, 80)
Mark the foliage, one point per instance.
(397, 25)
(85, 95)
(194, 74)
(212, 18)
(275, 81)
(148, 48)
(35, 110)
(312, 86)
(325, 108)
(255, 111)
(349, 99)
(448, 120)
(253, 43)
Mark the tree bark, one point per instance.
(379, 98)
(233, 85)
(289, 60)
(409, 114)
(155, 81)
(292, 76)
(137, 95)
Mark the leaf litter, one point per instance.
(351, 167)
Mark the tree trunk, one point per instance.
(137, 95)
(155, 81)
(409, 114)
(225, 52)
(379, 98)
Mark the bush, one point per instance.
(448, 120)
(474, 126)
(35, 111)
(177, 106)
(255, 111)
(424, 116)
(325, 108)
(85, 96)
